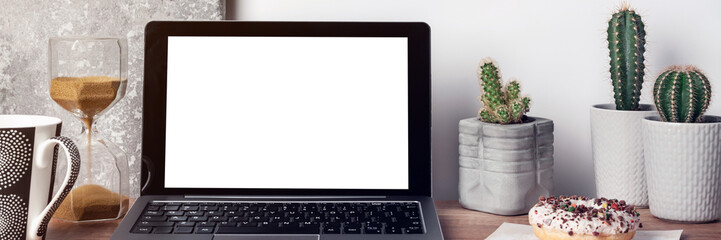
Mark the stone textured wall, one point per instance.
(26, 26)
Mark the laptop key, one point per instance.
(218, 219)
(155, 224)
(183, 230)
(352, 229)
(174, 213)
(238, 219)
(279, 219)
(395, 224)
(374, 224)
(331, 230)
(411, 206)
(414, 223)
(227, 224)
(178, 218)
(266, 230)
(198, 219)
(206, 224)
(276, 214)
(209, 208)
(215, 213)
(163, 230)
(248, 224)
(311, 224)
(185, 224)
(171, 208)
(393, 230)
(153, 218)
(204, 230)
(414, 230)
(331, 224)
(229, 208)
(372, 230)
(153, 213)
(259, 219)
(142, 229)
(195, 213)
(189, 208)
(290, 224)
(412, 213)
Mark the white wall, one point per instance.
(557, 49)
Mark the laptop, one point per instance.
(285, 130)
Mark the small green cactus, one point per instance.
(682, 94)
(626, 45)
(500, 105)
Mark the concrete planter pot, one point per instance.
(618, 162)
(683, 164)
(504, 168)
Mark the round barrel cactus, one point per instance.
(682, 94)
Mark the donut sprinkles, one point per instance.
(577, 215)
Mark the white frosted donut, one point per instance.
(582, 218)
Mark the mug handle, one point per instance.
(39, 224)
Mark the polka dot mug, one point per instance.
(28, 157)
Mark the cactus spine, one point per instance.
(626, 45)
(682, 94)
(499, 105)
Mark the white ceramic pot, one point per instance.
(618, 153)
(504, 168)
(683, 164)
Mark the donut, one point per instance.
(583, 218)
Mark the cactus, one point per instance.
(682, 94)
(626, 45)
(502, 105)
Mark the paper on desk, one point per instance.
(512, 231)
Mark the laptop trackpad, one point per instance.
(266, 237)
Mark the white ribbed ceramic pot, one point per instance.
(683, 167)
(504, 168)
(618, 162)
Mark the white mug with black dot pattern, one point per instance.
(28, 157)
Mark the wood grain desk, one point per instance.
(456, 222)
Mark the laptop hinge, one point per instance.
(283, 197)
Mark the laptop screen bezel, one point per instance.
(155, 93)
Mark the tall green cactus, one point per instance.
(500, 106)
(682, 94)
(626, 45)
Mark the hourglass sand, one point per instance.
(88, 76)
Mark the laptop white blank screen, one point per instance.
(287, 113)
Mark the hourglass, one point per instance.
(87, 77)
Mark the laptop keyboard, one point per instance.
(280, 218)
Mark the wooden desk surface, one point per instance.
(460, 223)
(456, 222)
